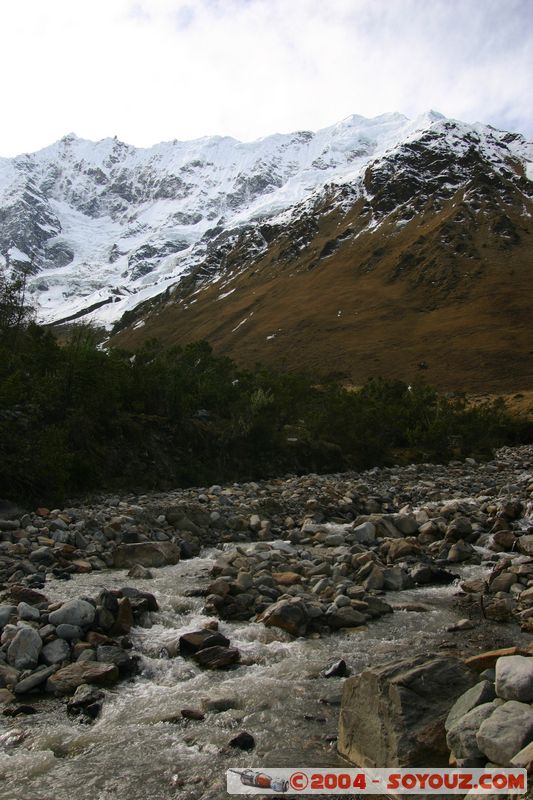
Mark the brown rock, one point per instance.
(67, 680)
(503, 540)
(399, 548)
(124, 619)
(219, 587)
(286, 578)
(22, 594)
(192, 713)
(191, 643)
(502, 582)
(289, 615)
(148, 554)
(393, 716)
(488, 659)
(94, 639)
(82, 566)
(6, 697)
(79, 647)
(525, 544)
(217, 657)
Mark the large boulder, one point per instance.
(393, 716)
(24, 650)
(514, 678)
(461, 737)
(148, 554)
(508, 729)
(482, 692)
(289, 615)
(346, 617)
(191, 643)
(217, 657)
(78, 613)
(67, 680)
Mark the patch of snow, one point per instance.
(225, 294)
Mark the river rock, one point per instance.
(23, 594)
(70, 633)
(461, 736)
(243, 741)
(289, 615)
(139, 601)
(479, 694)
(460, 551)
(514, 678)
(8, 676)
(74, 612)
(525, 544)
(36, 678)
(7, 614)
(508, 729)
(6, 697)
(286, 578)
(220, 704)
(394, 715)
(524, 758)
(337, 670)
(86, 701)
(124, 619)
(67, 679)
(24, 650)
(405, 523)
(191, 643)
(364, 533)
(138, 571)
(112, 654)
(27, 612)
(217, 657)
(502, 583)
(55, 652)
(345, 617)
(396, 579)
(488, 659)
(147, 554)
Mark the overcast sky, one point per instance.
(153, 70)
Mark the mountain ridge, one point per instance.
(173, 241)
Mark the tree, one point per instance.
(14, 309)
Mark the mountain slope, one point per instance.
(382, 246)
(421, 267)
(108, 224)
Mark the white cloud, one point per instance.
(161, 69)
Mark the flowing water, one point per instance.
(277, 694)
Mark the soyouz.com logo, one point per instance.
(417, 780)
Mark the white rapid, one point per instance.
(277, 694)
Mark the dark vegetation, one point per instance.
(75, 418)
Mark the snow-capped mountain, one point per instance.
(103, 226)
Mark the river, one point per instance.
(277, 694)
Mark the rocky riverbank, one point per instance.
(313, 556)
(433, 511)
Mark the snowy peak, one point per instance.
(103, 225)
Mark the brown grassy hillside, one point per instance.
(428, 276)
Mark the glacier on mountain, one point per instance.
(103, 226)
